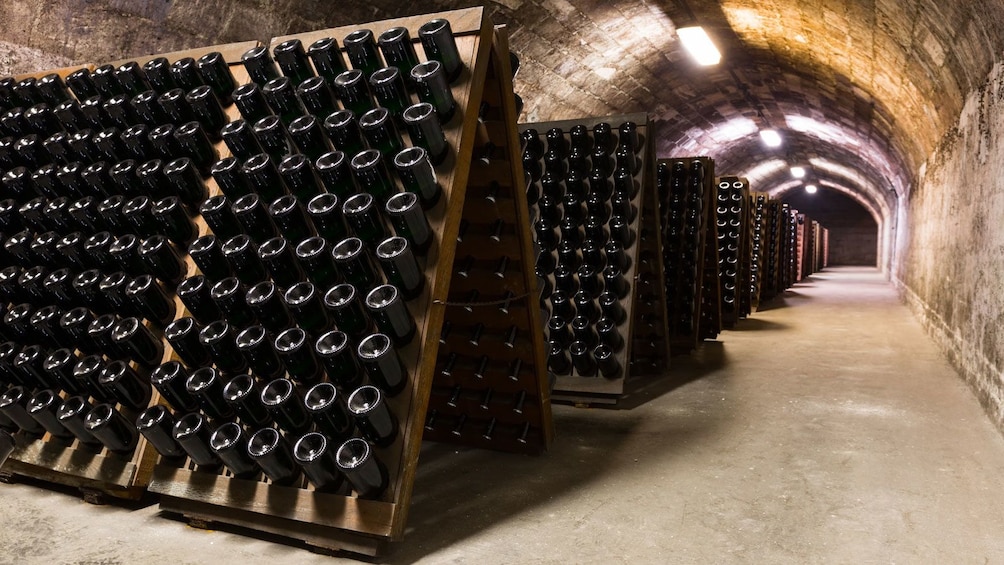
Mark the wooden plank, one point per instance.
(316, 537)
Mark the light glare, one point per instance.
(798, 172)
(606, 73)
(699, 45)
(810, 188)
(770, 138)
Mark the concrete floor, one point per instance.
(826, 429)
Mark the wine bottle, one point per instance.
(281, 262)
(156, 424)
(259, 64)
(230, 444)
(372, 415)
(366, 474)
(170, 380)
(192, 432)
(347, 310)
(205, 384)
(283, 402)
(304, 302)
(229, 296)
(433, 87)
(382, 363)
(244, 395)
(292, 60)
(440, 45)
(327, 58)
(111, 428)
(297, 353)
(272, 453)
(317, 458)
(426, 131)
(256, 346)
(335, 352)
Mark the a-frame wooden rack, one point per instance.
(643, 326)
(687, 205)
(343, 521)
(516, 417)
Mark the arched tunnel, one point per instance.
(894, 109)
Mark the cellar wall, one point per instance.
(853, 231)
(953, 249)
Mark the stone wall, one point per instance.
(853, 231)
(953, 256)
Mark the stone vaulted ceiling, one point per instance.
(862, 90)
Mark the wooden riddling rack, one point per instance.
(824, 251)
(819, 253)
(687, 208)
(97, 473)
(778, 249)
(488, 391)
(758, 251)
(546, 151)
(341, 520)
(733, 247)
(805, 230)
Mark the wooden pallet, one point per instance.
(644, 329)
(497, 408)
(341, 522)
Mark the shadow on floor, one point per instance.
(708, 358)
(752, 324)
(772, 304)
(460, 492)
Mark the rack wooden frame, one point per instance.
(99, 474)
(736, 190)
(705, 309)
(646, 346)
(339, 522)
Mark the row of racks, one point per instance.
(253, 278)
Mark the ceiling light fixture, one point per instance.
(798, 172)
(811, 188)
(699, 45)
(770, 137)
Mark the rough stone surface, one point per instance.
(789, 441)
(15, 59)
(955, 251)
(876, 82)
